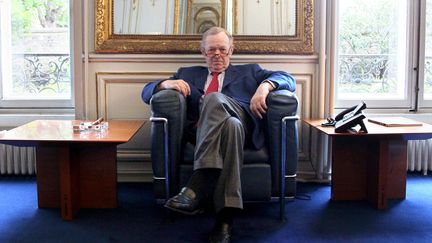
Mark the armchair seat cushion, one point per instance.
(251, 156)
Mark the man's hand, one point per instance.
(258, 104)
(179, 84)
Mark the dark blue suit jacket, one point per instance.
(240, 83)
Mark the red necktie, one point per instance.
(214, 84)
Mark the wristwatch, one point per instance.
(270, 82)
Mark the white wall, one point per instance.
(135, 15)
(266, 17)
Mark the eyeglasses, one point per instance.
(223, 52)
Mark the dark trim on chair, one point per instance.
(282, 165)
(166, 154)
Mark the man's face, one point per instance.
(217, 51)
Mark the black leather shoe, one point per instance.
(185, 202)
(221, 233)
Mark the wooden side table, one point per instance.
(74, 170)
(370, 166)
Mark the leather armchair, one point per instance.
(261, 177)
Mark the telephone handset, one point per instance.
(351, 117)
(350, 111)
(348, 118)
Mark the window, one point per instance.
(35, 55)
(428, 53)
(378, 57)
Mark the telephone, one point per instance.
(349, 118)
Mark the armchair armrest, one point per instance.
(168, 116)
(282, 118)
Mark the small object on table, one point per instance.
(99, 125)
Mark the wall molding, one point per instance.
(105, 82)
(304, 93)
(134, 166)
(196, 58)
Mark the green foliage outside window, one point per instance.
(366, 28)
(368, 39)
(27, 14)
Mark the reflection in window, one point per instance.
(35, 50)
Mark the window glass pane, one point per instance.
(428, 52)
(371, 50)
(39, 51)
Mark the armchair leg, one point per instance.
(283, 166)
(166, 157)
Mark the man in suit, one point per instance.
(225, 107)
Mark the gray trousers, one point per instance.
(220, 140)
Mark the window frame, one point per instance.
(422, 103)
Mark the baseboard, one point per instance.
(134, 172)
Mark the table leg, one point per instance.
(77, 176)
(387, 176)
(98, 175)
(47, 176)
(368, 169)
(349, 168)
(69, 194)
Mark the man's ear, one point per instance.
(232, 49)
(203, 51)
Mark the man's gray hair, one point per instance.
(215, 31)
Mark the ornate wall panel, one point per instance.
(304, 84)
(118, 96)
